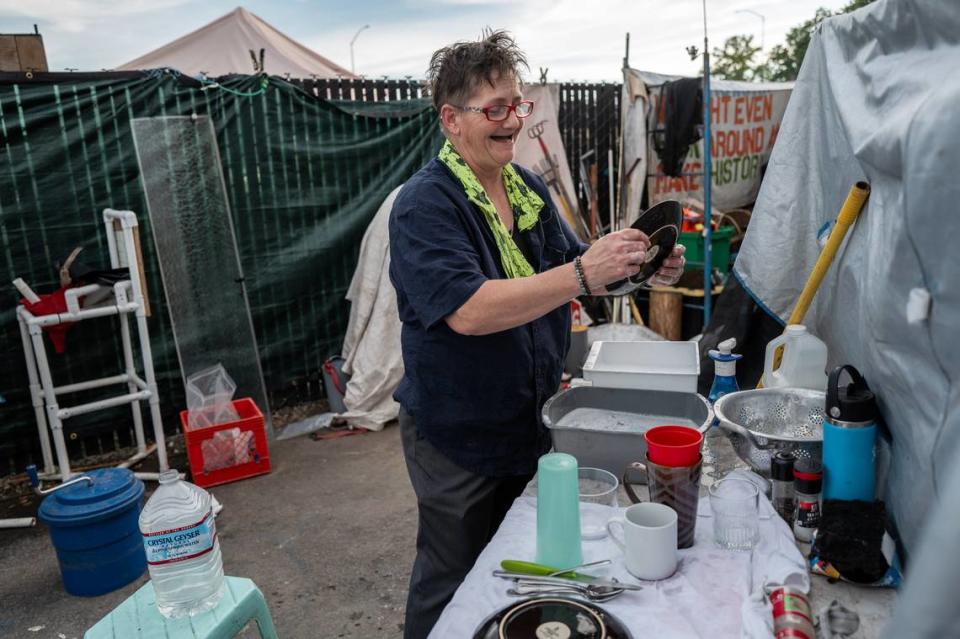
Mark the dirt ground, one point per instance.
(328, 536)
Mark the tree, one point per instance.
(785, 59)
(735, 61)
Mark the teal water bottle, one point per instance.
(849, 437)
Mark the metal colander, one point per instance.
(763, 421)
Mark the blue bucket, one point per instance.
(94, 530)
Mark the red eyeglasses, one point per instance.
(500, 112)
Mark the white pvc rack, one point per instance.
(127, 299)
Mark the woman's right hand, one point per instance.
(613, 257)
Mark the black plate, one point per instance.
(548, 617)
(661, 223)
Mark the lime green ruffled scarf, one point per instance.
(525, 203)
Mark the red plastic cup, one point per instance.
(673, 445)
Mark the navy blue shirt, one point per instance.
(475, 398)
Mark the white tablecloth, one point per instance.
(714, 594)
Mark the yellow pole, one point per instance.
(637, 318)
(847, 216)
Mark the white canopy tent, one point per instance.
(223, 47)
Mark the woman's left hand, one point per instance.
(672, 268)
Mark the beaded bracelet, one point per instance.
(581, 278)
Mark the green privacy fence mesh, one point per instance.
(304, 177)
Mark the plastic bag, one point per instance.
(227, 448)
(210, 398)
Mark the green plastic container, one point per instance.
(720, 243)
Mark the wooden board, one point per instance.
(666, 313)
(22, 52)
(122, 254)
(32, 55)
(9, 58)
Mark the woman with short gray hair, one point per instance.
(484, 269)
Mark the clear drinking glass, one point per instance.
(598, 499)
(735, 503)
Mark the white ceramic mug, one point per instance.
(649, 541)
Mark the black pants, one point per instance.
(459, 512)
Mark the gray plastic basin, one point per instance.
(615, 450)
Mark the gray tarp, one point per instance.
(877, 99)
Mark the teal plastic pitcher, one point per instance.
(558, 511)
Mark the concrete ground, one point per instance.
(328, 536)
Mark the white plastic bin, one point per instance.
(669, 366)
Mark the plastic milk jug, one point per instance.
(803, 363)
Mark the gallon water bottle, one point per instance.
(849, 435)
(183, 554)
(802, 364)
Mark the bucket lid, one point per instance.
(113, 490)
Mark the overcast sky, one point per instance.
(575, 39)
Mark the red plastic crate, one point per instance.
(251, 420)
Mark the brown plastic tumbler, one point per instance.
(675, 486)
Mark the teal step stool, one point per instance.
(138, 617)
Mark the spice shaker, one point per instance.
(782, 489)
(808, 482)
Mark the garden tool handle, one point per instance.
(848, 214)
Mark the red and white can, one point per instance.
(792, 618)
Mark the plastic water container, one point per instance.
(183, 553)
(803, 363)
(93, 526)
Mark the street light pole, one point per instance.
(354, 39)
(763, 23)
